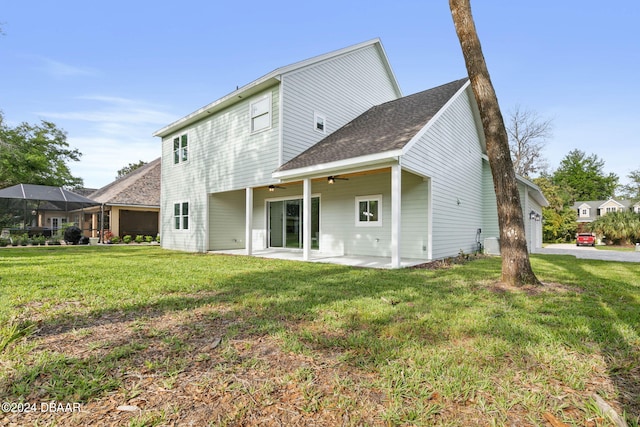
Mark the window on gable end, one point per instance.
(319, 123)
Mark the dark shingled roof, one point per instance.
(386, 127)
(140, 187)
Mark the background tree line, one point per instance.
(579, 177)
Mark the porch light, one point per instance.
(272, 188)
(332, 179)
(532, 215)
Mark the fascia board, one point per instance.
(433, 120)
(326, 168)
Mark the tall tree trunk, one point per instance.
(516, 269)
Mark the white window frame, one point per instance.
(370, 198)
(317, 118)
(181, 216)
(252, 117)
(182, 151)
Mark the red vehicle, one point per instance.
(585, 239)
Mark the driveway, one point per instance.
(588, 252)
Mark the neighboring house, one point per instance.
(589, 211)
(325, 155)
(128, 206)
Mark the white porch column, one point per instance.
(396, 193)
(306, 219)
(248, 233)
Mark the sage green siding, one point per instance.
(340, 89)
(450, 154)
(227, 220)
(223, 155)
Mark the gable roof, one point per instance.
(138, 188)
(271, 79)
(597, 204)
(384, 128)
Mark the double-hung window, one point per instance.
(180, 149)
(260, 111)
(181, 215)
(369, 211)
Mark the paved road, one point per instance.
(588, 252)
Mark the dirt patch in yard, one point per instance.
(210, 366)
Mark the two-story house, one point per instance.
(589, 211)
(326, 157)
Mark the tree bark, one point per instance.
(516, 268)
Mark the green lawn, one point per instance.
(231, 340)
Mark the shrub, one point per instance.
(3, 242)
(115, 239)
(158, 238)
(54, 241)
(72, 235)
(127, 239)
(148, 239)
(139, 238)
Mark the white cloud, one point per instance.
(110, 132)
(60, 69)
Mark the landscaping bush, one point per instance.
(139, 238)
(72, 235)
(127, 239)
(148, 239)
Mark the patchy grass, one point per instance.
(225, 340)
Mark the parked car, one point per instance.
(585, 239)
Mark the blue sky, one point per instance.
(112, 73)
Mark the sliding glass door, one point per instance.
(285, 223)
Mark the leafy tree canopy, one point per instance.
(36, 154)
(129, 168)
(581, 177)
(632, 190)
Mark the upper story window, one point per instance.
(584, 212)
(319, 123)
(260, 112)
(180, 149)
(181, 215)
(369, 211)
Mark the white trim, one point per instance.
(269, 80)
(306, 220)
(396, 215)
(368, 198)
(323, 118)
(356, 162)
(429, 220)
(172, 139)
(408, 146)
(173, 216)
(284, 198)
(281, 123)
(269, 112)
(248, 231)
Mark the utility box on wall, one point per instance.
(492, 246)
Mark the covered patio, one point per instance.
(348, 260)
